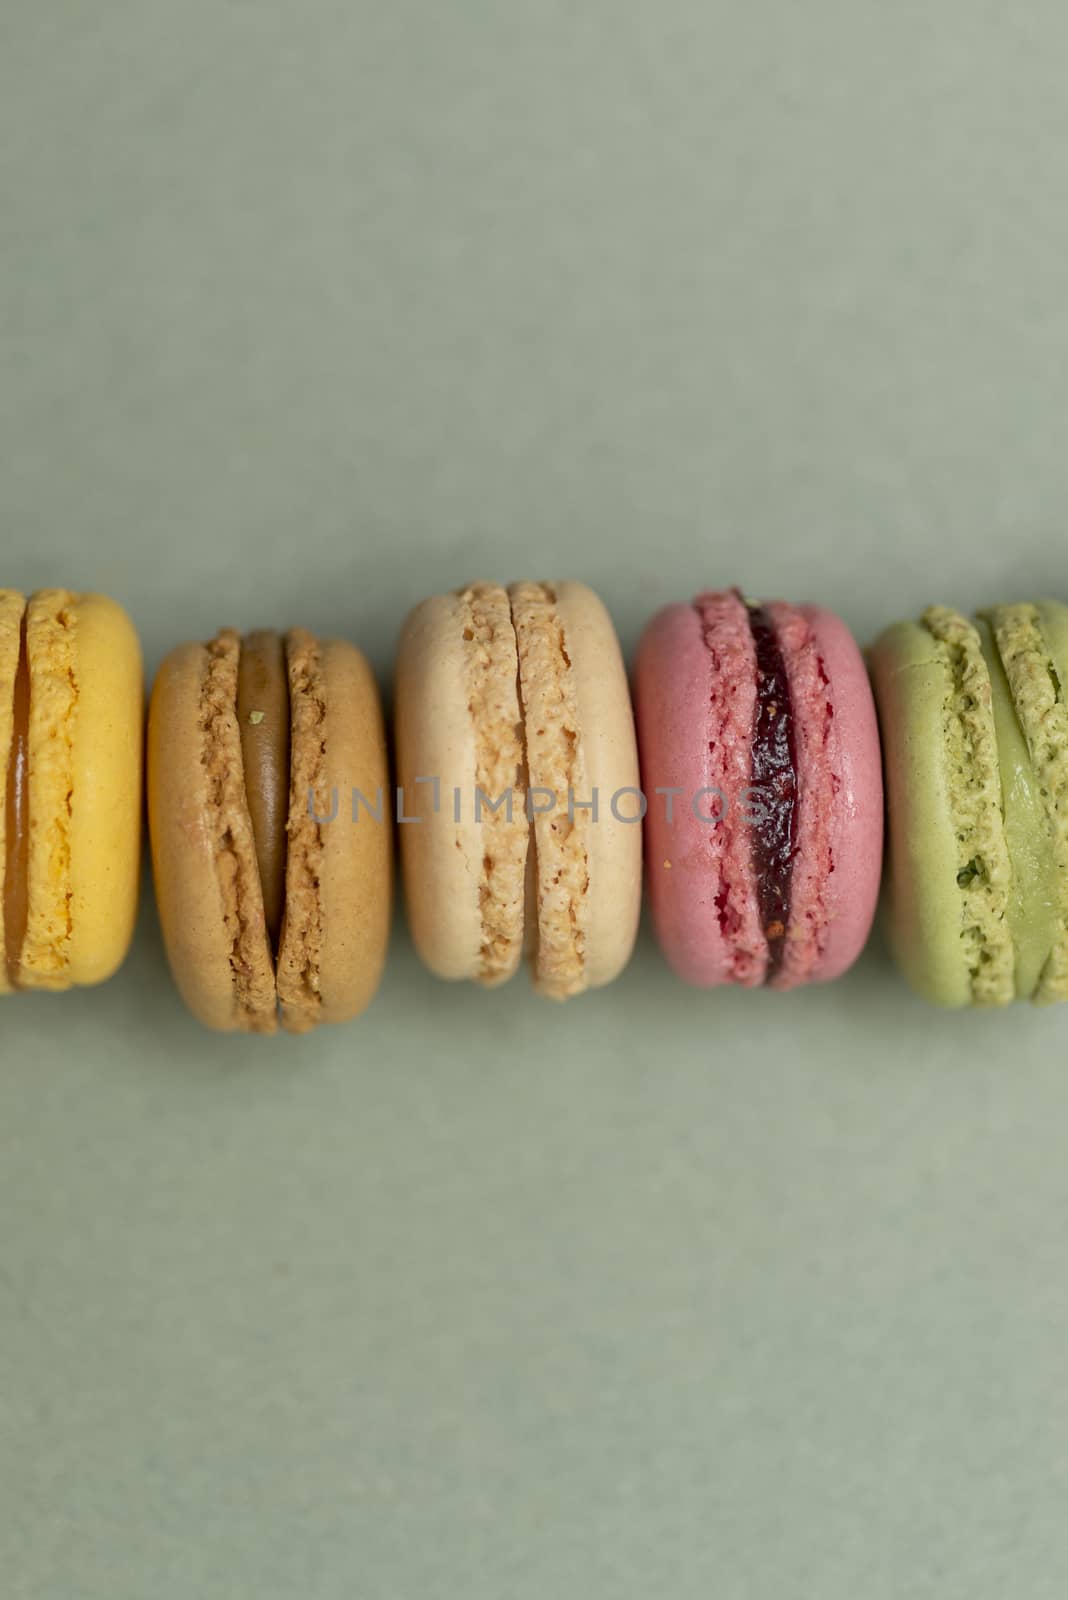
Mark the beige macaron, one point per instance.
(273, 882)
(518, 791)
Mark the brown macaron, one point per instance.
(274, 882)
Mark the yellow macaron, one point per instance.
(71, 736)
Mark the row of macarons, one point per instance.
(743, 773)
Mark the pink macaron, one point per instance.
(761, 769)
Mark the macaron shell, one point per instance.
(1031, 911)
(556, 768)
(51, 653)
(695, 718)
(491, 679)
(671, 704)
(436, 738)
(209, 924)
(1053, 617)
(1030, 640)
(1053, 620)
(856, 817)
(354, 858)
(12, 606)
(106, 802)
(923, 909)
(610, 750)
(84, 781)
(311, 796)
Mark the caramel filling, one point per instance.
(17, 837)
(263, 718)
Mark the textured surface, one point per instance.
(974, 731)
(856, 833)
(695, 694)
(1037, 684)
(979, 864)
(613, 844)
(355, 861)
(492, 702)
(52, 655)
(1033, 912)
(12, 606)
(203, 851)
(108, 798)
(307, 311)
(204, 868)
(301, 949)
(556, 766)
(504, 697)
(84, 764)
(442, 846)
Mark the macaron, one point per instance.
(760, 763)
(518, 788)
(71, 735)
(974, 720)
(270, 828)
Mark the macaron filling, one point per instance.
(17, 831)
(773, 788)
(263, 716)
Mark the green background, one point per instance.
(309, 310)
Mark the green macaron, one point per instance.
(974, 720)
